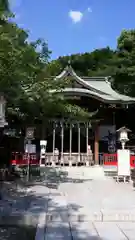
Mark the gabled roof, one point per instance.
(96, 87)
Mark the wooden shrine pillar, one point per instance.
(62, 140)
(54, 135)
(87, 139)
(96, 146)
(79, 144)
(70, 141)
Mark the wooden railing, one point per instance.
(67, 159)
(50, 159)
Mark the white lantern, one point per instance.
(43, 144)
(123, 135)
(2, 112)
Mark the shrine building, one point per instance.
(86, 141)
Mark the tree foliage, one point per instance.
(125, 74)
(27, 75)
(20, 66)
(24, 68)
(118, 63)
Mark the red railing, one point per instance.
(23, 159)
(111, 160)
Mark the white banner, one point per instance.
(123, 162)
(43, 142)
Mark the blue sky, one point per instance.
(75, 26)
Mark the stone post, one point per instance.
(53, 141)
(96, 146)
(70, 145)
(87, 143)
(78, 142)
(62, 141)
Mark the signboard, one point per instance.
(30, 133)
(43, 142)
(123, 162)
(30, 148)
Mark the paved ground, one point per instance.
(14, 198)
(14, 204)
(79, 203)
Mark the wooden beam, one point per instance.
(96, 145)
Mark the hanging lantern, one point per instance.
(89, 125)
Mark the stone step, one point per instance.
(97, 216)
(95, 172)
(93, 216)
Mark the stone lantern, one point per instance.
(43, 144)
(123, 136)
(3, 122)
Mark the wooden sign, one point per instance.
(30, 133)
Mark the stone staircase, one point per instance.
(93, 172)
(110, 172)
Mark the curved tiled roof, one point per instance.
(96, 87)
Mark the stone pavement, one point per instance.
(75, 204)
(14, 222)
(90, 231)
(14, 199)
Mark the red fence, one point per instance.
(24, 158)
(111, 160)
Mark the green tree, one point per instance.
(24, 72)
(5, 12)
(4, 6)
(125, 73)
(100, 62)
(20, 66)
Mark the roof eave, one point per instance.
(100, 98)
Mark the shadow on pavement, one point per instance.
(52, 177)
(31, 205)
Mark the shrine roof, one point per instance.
(96, 87)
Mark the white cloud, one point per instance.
(76, 16)
(89, 9)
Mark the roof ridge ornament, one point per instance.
(69, 63)
(69, 68)
(108, 80)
